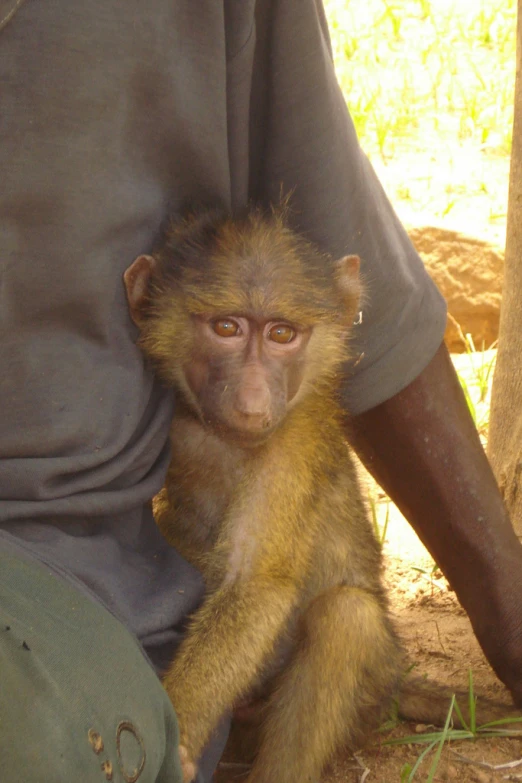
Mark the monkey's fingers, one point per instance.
(188, 768)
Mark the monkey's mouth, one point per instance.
(242, 432)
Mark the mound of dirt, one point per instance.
(468, 272)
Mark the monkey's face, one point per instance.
(243, 317)
(244, 373)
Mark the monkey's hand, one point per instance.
(188, 768)
(230, 638)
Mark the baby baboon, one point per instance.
(250, 324)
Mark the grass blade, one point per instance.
(442, 740)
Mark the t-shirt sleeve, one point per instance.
(310, 150)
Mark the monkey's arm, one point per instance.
(229, 640)
(256, 570)
(423, 448)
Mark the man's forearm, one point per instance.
(424, 450)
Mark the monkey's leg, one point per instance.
(343, 673)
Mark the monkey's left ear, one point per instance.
(348, 279)
(136, 279)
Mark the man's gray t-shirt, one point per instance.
(112, 116)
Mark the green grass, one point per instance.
(430, 574)
(430, 85)
(482, 366)
(477, 384)
(436, 740)
(380, 532)
(426, 68)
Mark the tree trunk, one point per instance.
(505, 432)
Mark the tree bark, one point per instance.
(505, 433)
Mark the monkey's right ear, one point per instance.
(348, 280)
(136, 279)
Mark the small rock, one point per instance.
(420, 728)
(450, 773)
(481, 776)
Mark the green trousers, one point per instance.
(79, 701)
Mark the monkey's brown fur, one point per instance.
(262, 493)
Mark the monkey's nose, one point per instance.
(253, 402)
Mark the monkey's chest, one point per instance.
(202, 479)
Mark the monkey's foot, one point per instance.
(188, 768)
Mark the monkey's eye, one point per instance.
(226, 328)
(281, 333)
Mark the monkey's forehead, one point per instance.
(299, 305)
(254, 265)
(264, 284)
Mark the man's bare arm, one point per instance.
(424, 450)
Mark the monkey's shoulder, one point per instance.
(315, 433)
